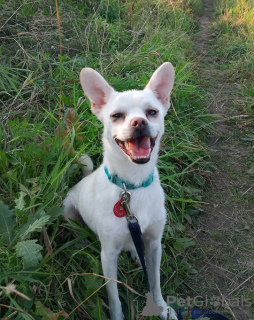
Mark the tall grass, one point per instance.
(44, 255)
(237, 25)
(235, 45)
(238, 12)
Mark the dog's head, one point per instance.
(134, 119)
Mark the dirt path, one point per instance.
(224, 257)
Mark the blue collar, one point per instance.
(129, 185)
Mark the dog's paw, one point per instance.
(168, 314)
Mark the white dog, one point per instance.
(133, 126)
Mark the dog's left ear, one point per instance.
(161, 83)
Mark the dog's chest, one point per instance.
(98, 196)
(147, 205)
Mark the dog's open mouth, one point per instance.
(138, 149)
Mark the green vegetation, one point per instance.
(234, 28)
(226, 45)
(42, 254)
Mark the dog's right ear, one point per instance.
(95, 88)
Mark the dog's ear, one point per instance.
(95, 88)
(161, 83)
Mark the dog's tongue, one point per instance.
(140, 147)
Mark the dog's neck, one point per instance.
(118, 163)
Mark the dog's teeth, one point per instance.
(140, 157)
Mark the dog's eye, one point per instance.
(117, 115)
(152, 112)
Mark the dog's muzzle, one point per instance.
(138, 148)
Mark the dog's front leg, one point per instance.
(153, 260)
(109, 257)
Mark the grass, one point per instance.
(224, 230)
(42, 254)
(234, 28)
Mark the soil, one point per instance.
(224, 255)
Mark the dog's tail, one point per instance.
(87, 164)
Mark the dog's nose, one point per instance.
(139, 123)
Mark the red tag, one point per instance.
(118, 210)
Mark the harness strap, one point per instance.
(136, 235)
(122, 209)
